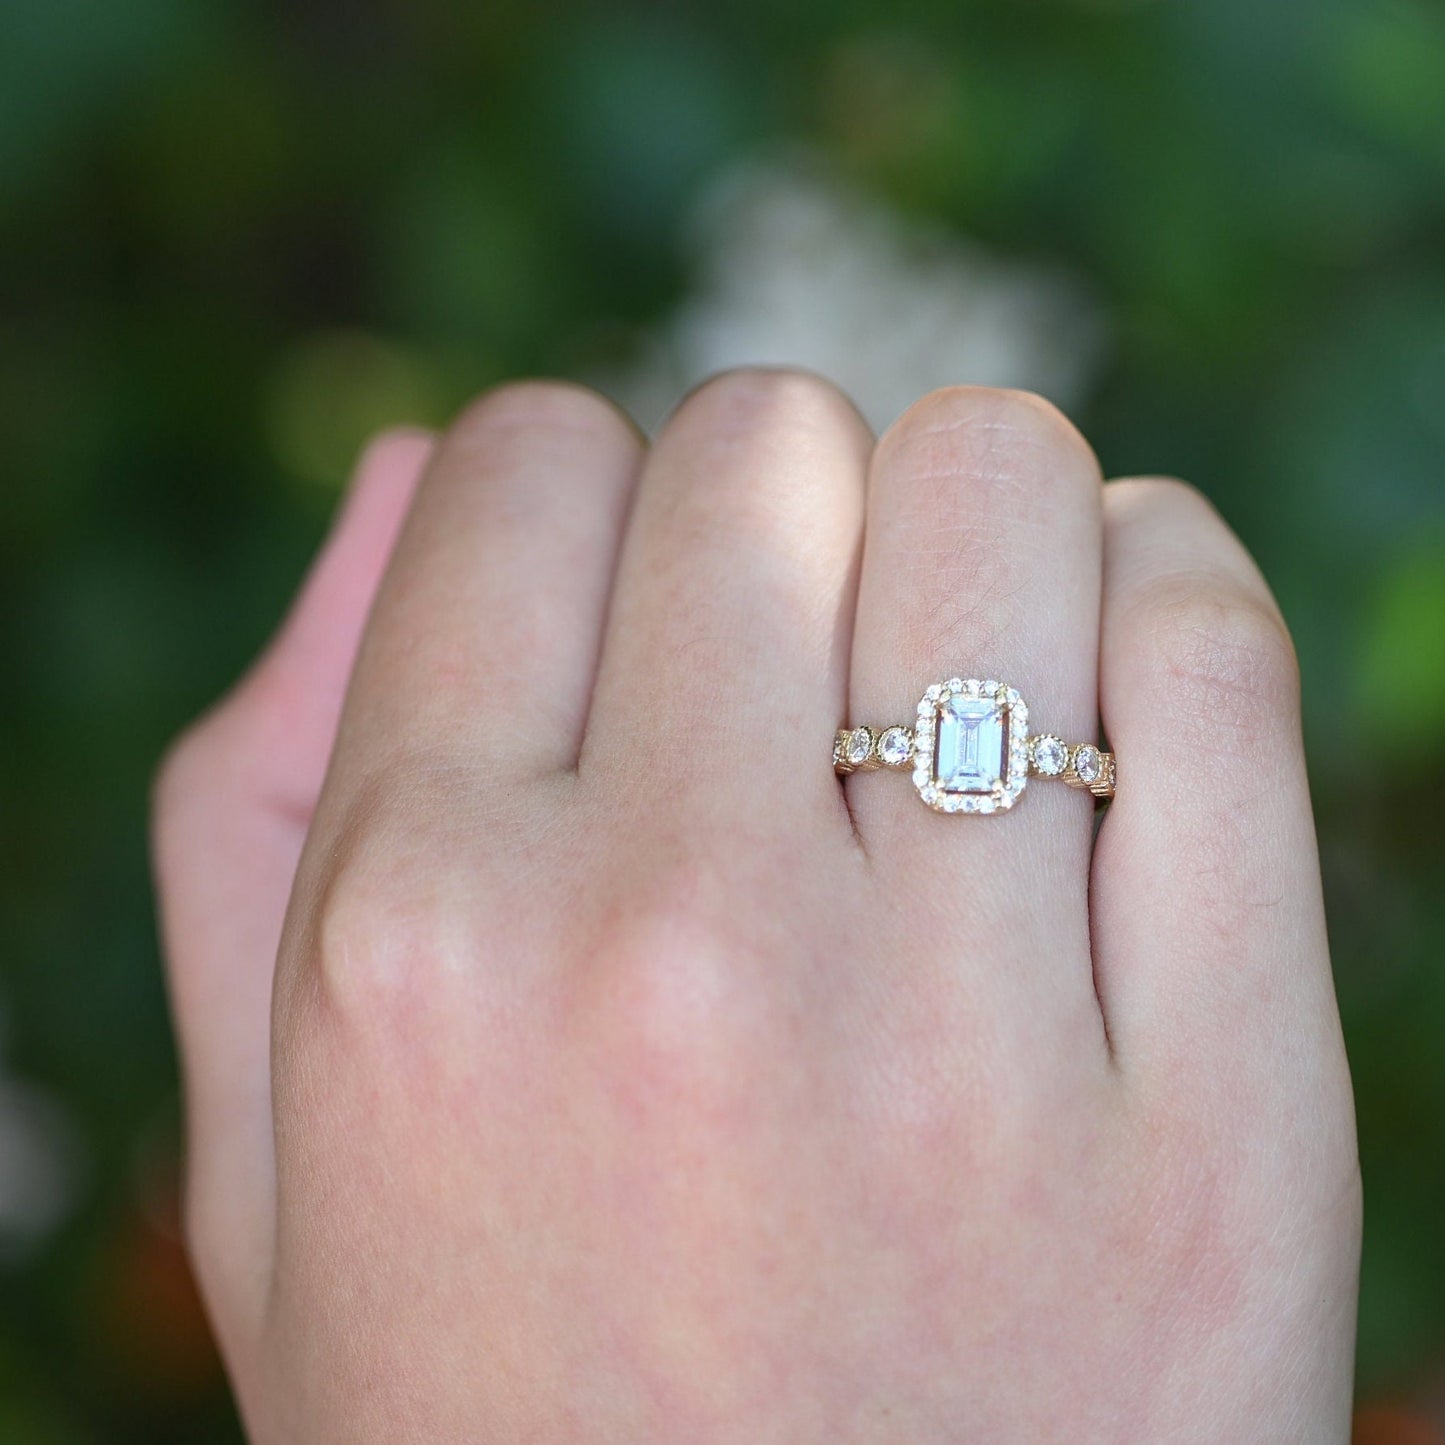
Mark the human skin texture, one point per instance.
(571, 1056)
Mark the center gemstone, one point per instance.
(971, 751)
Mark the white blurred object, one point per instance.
(38, 1167)
(793, 271)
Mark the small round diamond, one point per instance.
(895, 747)
(1051, 757)
(1088, 763)
(860, 744)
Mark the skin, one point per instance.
(570, 1056)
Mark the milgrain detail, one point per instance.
(970, 750)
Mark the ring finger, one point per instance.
(982, 560)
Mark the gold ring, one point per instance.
(970, 750)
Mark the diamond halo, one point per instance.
(969, 750)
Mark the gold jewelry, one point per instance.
(971, 752)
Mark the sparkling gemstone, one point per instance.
(895, 747)
(859, 746)
(971, 751)
(1051, 757)
(1088, 763)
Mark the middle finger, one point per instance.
(726, 651)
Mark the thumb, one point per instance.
(233, 801)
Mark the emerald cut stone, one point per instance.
(970, 753)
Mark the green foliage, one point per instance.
(234, 240)
(1402, 666)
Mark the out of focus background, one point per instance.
(237, 238)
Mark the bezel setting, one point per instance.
(895, 747)
(860, 745)
(1049, 755)
(1013, 778)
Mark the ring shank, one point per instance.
(864, 749)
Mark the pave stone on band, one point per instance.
(971, 752)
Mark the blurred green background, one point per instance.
(234, 239)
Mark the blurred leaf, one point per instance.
(246, 167)
(1389, 63)
(64, 61)
(470, 257)
(1401, 677)
(28, 1415)
(333, 391)
(640, 110)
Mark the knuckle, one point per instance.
(745, 463)
(1209, 1207)
(974, 483)
(371, 931)
(1220, 654)
(367, 946)
(373, 939)
(1192, 1205)
(681, 1025)
(989, 433)
(743, 400)
(1151, 491)
(394, 923)
(532, 407)
(967, 467)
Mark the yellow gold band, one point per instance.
(970, 751)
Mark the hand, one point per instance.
(627, 1076)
